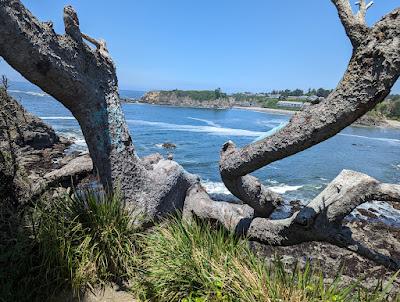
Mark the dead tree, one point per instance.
(373, 69)
(84, 80)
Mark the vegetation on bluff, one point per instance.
(198, 95)
(390, 108)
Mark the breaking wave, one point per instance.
(282, 188)
(389, 140)
(208, 122)
(29, 92)
(191, 128)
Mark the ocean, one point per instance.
(199, 134)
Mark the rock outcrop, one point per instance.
(172, 99)
(29, 150)
(334, 261)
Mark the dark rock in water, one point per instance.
(295, 206)
(168, 146)
(367, 213)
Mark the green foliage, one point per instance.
(389, 108)
(198, 262)
(198, 95)
(69, 243)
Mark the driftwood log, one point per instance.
(84, 80)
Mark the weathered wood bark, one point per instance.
(234, 217)
(84, 80)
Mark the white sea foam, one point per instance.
(219, 188)
(192, 128)
(159, 146)
(208, 122)
(57, 118)
(29, 92)
(80, 142)
(218, 191)
(282, 188)
(389, 140)
(215, 188)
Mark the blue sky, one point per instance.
(237, 45)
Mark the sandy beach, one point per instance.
(269, 110)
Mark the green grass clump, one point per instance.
(71, 243)
(198, 262)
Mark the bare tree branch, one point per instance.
(354, 24)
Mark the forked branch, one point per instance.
(354, 24)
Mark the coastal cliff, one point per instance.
(173, 98)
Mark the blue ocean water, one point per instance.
(200, 133)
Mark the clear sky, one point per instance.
(238, 45)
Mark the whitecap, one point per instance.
(215, 188)
(218, 191)
(80, 142)
(389, 140)
(191, 128)
(208, 122)
(29, 92)
(282, 189)
(159, 146)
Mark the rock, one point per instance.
(329, 258)
(23, 128)
(172, 98)
(371, 121)
(29, 149)
(168, 146)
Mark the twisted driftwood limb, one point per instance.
(372, 71)
(68, 175)
(84, 80)
(320, 220)
(233, 217)
(250, 190)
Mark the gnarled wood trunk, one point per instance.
(84, 80)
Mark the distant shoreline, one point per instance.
(268, 110)
(387, 123)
